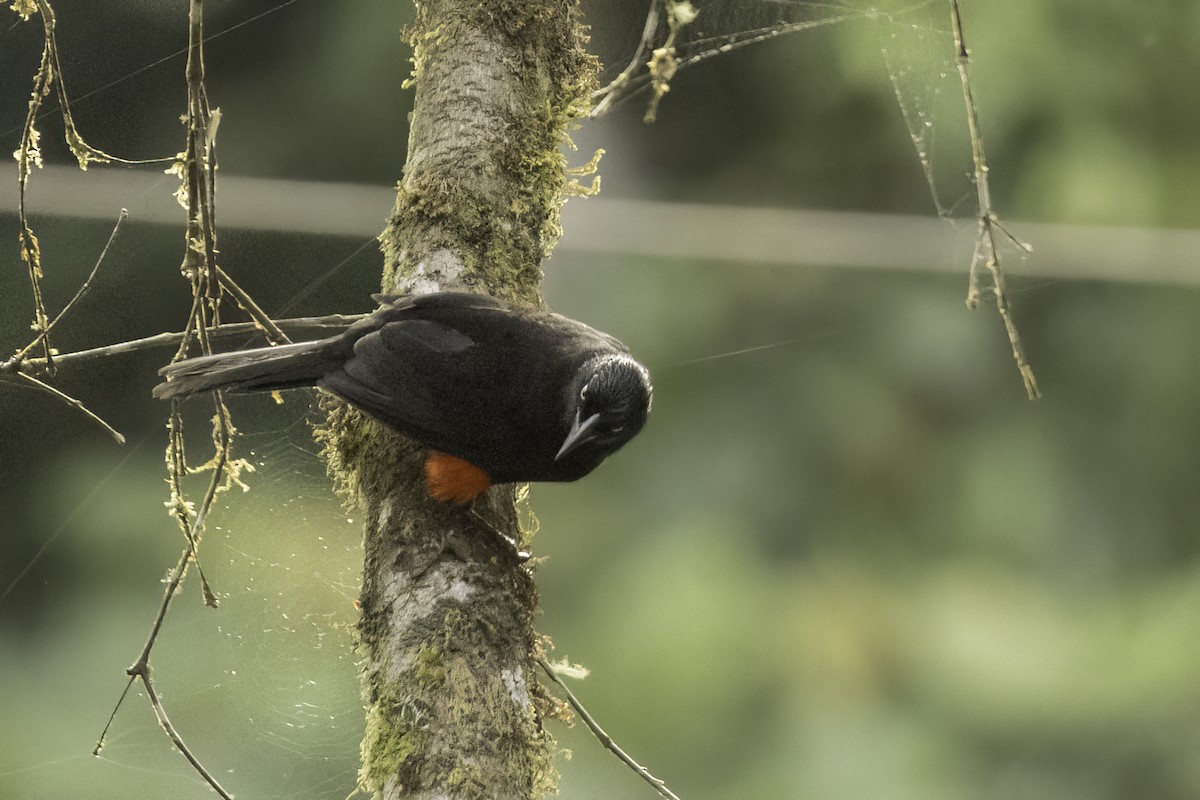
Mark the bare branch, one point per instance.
(605, 739)
(260, 317)
(71, 401)
(194, 531)
(140, 669)
(14, 364)
(208, 284)
(986, 252)
(165, 723)
(29, 155)
(79, 293)
(616, 88)
(226, 330)
(663, 60)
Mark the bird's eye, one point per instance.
(616, 429)
(583, 392)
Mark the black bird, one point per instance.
(497, 393)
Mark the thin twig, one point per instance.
(199, 266)
(71, 401)
(48, 77)
(192, 530)
(14, 364)
(141, 666)
(103, 740)
(165, 723)
(260, 317)
(140, 670)
(178, 503)
(667, 61)
(28, 156)
(605, 739)
(226, 330)
(986, 252)
(664, 61)
(130, 75)
(79, 293)
(615, 89)
(84, 153)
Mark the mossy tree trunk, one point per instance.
(446, 639)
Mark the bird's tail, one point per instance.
(263, 369)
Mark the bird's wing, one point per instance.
(409, 374)
(421, 338)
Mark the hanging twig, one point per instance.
(29, 156)
(84, 152)
(208, 284)
(18, 360)
(664, 61)
(157, 63)
(79, 293)
(165, 723)
(615, 89)
(986, 252)
(140, 669)
(605, 739)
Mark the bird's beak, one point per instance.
(580, 433)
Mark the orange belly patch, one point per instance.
(451, 479)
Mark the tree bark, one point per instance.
(446, 636)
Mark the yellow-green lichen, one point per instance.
(361, 455)
(420, 41)
(391, 742)
(429, 671)
(25, 8)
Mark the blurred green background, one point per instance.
(859, 564)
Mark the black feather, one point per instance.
(262, 369)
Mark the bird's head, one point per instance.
(611, 399)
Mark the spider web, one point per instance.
(917, 46)
(266, 686)
(911, 41)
